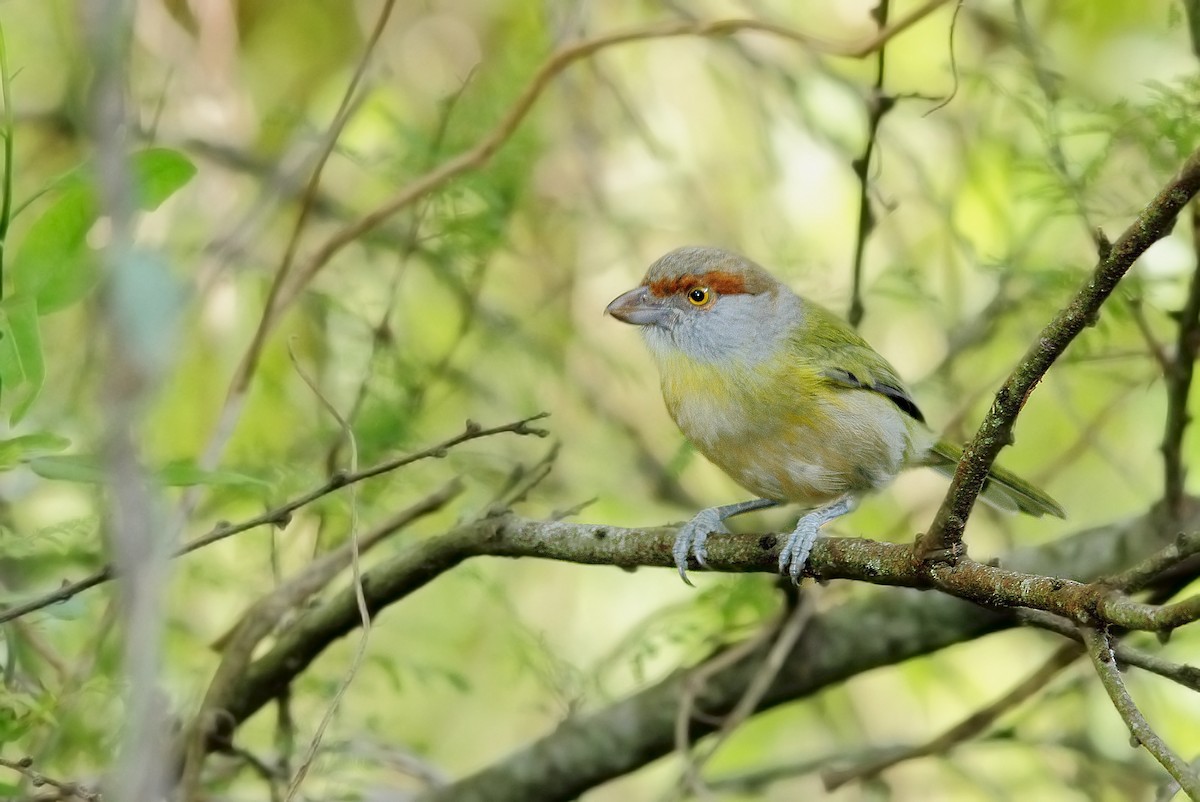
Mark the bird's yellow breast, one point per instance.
(787, 433)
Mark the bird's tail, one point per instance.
(1003, 489)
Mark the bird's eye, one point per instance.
(701, 296)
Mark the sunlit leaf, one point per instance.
(158, 174)
(88, 469)
(182, 474)
(22, 346)
(28, 446)
(55, 263)
(69, 468)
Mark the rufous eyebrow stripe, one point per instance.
(719, 281)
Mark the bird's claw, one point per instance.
(690, 542)
(794, 553)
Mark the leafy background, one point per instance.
(1017, 131)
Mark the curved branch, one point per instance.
(891, 626)
(483, 150)
(1155, 222)
(1105, 663)
(1178, 375)
(281, 515)
(970, 727)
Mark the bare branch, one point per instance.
(944, 537)
(1179, 378)
(265, 615)
(968, 728)
(483, 151)
(1085, 556)
(1185, 545)
(881, 628)
(249, 364)
(68, 790)
(1185, 675)
(279, 516)
(1106, 666)
(878, 104)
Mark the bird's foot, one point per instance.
(794, 553)
(692, 537)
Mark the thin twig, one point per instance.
(1185, 675)
(483, 151)
(1105, 662)
(693, 685)
(944, 538)
(945, 101)
(968, 728)
(381, 339)
(878, 104)
(1179, 380)
(1138, 313)
(237, 647)
(340, 118)
(67, 790)
(1116, 609)
(1185, 545)
(1047, 81)
(8, 131)
(281, 515)
(785, 641)
(363, 612)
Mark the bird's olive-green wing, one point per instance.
(847, 360)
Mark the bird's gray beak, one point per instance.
(640, 307)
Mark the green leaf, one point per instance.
(69, 468)
(158, 174)
(89, 470)
(54, 264)
(16, 450)
(22, 364)
(184, 474)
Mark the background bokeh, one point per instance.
(1017, 131)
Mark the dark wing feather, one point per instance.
(894, 393)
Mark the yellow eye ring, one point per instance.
(700, 296)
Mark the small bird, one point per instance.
(785, 397)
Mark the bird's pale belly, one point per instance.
(806, 452)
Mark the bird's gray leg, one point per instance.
(795, 552)
(692, 535)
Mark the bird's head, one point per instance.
(712, 305)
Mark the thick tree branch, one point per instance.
(891, 626)
(1155, 222)
(237, 647)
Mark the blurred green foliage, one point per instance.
(483, 300)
